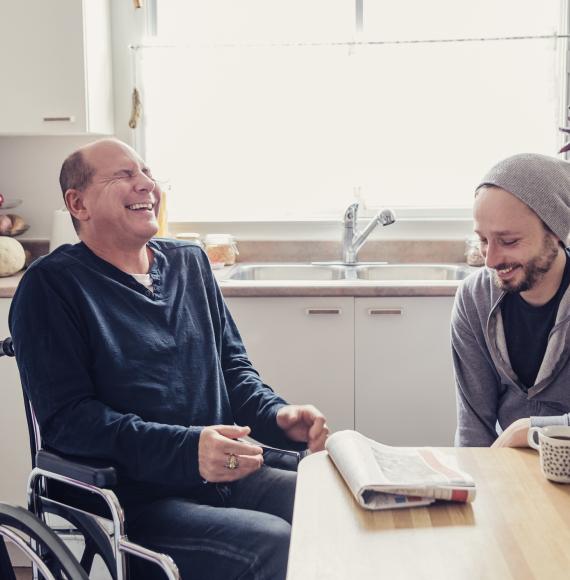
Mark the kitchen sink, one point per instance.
(361, 272)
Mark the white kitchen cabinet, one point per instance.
(15, 463)
(404, 384)
(304, 349)
(55, 58)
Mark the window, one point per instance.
(265, 109)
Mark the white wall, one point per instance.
(29, 170)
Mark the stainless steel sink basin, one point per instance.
(365, 272)
(414, 272)
(298, 271)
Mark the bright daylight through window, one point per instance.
(265, 109)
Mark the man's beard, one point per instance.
(533, 270)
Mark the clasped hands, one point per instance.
(223, 457)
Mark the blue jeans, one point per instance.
(236, 531)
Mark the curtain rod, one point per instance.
(354, 43)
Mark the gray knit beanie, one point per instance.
(539, 181)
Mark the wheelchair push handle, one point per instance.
(6, 347)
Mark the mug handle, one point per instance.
(531, 439)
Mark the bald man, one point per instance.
(129, 354)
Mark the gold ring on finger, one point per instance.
(232, 461)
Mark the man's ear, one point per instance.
(75, 205)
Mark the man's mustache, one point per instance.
(505, 266)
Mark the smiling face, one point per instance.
(514, 242)
(119, 206)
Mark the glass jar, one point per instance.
(192, 237)
(221, 249)
(473, 254)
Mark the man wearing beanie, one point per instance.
(511, 320)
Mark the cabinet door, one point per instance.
(46, 51)
(15, 463)
(304, 349)
(404, 383)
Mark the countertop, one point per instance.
(231, 288)
(392, 251)
(243, 288)
(8, 285)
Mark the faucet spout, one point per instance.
(354, 240)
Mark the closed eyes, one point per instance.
(483, 242)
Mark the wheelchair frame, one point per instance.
(28, 533)
(96, 479)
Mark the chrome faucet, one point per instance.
(353, 239)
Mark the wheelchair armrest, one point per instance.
(93, 472)
(282, 458)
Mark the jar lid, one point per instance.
(188, 236)
(219, 239)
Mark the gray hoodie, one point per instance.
(488, 390)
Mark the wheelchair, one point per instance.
(103, 533)
(50, 556)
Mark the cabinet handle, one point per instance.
(310, 311)
(66, 119)
(378, 311)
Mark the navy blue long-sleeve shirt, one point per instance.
(120, 373)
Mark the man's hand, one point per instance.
(217, 443)
(304, 423)
(515, 435)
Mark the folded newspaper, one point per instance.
(383, 477)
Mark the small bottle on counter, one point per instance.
(162, 217)
(221, 250)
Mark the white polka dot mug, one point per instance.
(553, 445)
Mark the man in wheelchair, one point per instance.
(129, 354)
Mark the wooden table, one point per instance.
(517, 528)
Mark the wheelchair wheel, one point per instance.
(51, 556)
